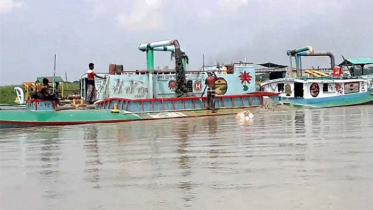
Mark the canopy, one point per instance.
(356, 61)
(272, 65)
(56, 79)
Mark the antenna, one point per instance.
(54, 72)
(203, 63)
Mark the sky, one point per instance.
(224, 31)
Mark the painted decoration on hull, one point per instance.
(172, 84)
(117, 86)
(331, 88)
(288, 90)
(351, 87)
(137, 88)
(245, 80)
(221, 86)
(314, 90)
(339, 88)
(197, 86)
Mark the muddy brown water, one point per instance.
(300, 159)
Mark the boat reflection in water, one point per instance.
(303, 159)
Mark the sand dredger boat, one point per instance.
(149, 94)
(323, 90)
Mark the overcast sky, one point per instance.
(109, 31)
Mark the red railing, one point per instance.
(106, 102)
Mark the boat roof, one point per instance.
(272, 65)
(50, 78)
(315, 79)
(356, 61)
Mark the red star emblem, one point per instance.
(245, 77)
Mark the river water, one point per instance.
(301, 159)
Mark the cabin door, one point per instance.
(298, 90)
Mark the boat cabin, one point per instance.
(137, 84)
(310, 90)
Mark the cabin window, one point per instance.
(325, 88)
(280, 87)
(190, 86)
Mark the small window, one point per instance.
(325, 87)
(190, 86)
(280, 87)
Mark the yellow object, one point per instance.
(31, 86)
(315, 73)
(74, 102)
(287, 100)
(81, 101)
(224, 70)
(115, 110)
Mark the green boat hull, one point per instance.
(23, 118)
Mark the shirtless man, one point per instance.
(44, 94)
(210, 82)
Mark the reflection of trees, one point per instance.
(93, 157)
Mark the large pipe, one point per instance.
(181, 89)
(144, 47)
(168, 48)
(332, 60)
(303, 49)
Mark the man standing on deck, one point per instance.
(210, 82)
(91, 90)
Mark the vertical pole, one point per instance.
(150, 68)
(291, 65)
(62, 84)
(150, 59)
(297, 64)
(54, 72)
(203, 63)
(300, 67)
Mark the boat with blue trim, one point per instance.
(150, 94)
(322, 90)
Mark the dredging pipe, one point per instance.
(166, 45)
(329, 54)
(181, 88)
(180, 63)
(184, 57)
(293, 53)
(303, 49)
